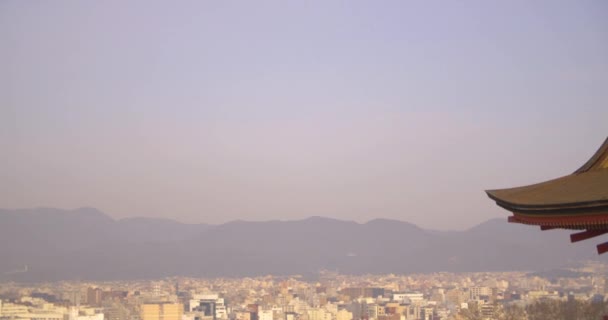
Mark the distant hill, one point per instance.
(86, 244)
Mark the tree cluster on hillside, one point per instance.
(540, 310)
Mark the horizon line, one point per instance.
(75, 210)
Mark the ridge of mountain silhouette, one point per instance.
(86, 244)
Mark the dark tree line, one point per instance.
(541, 310)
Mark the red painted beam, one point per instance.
(543, 228)
(587, 234)
(602, 248)
(513, 219)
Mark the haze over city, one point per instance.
(216, 111)
(303, 160)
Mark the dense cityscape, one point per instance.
(303, 160)
(329, 296)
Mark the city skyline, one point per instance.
(575, 293)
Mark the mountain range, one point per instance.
(46, 244)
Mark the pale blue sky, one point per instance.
(210, 111)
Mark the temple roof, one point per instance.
(585, 189)
(578, 201)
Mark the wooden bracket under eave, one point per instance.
(602, 248)
(587, 234)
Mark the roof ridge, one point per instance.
(596, 161)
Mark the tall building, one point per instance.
(208, 306)
(344, 315)
(359, 310)
(253, 311)
(94, 296)
(162, 311)
(478, 292)
(409, 297)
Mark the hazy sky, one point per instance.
(210, 111)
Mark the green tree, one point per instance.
(513, 312)
(472, 313)
(543, 310)
(566, 310)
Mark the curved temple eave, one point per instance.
(577, 202)
(598, 206)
